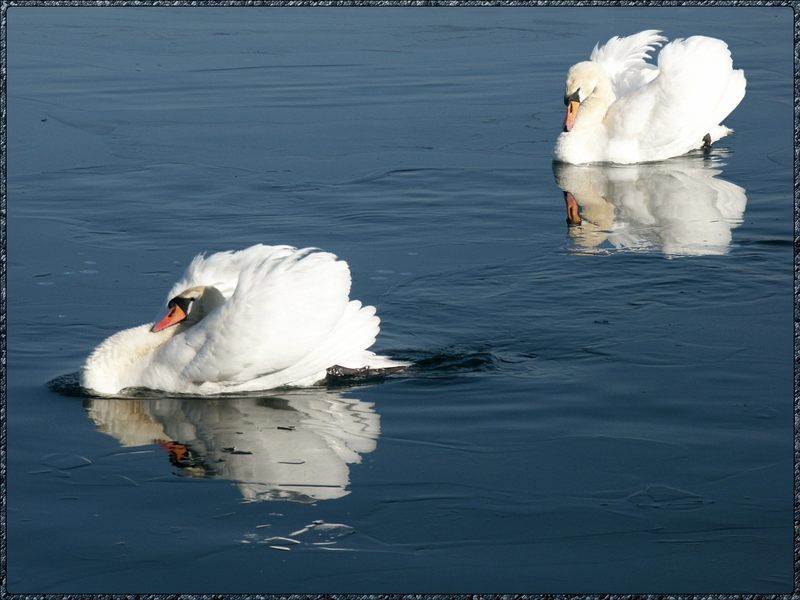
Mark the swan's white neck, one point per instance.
(123, 356)
(122, 360)
(587, 139)
(594, 108)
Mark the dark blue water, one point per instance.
(605, 408)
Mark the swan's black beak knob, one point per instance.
(573, 97)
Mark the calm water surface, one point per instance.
(603, 408)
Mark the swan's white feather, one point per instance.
(287, 318)
(624, 59)
(283, 306)
(695, 89)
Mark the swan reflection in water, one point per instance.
(296, 446)
(678, 207)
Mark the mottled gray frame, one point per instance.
(6, 4)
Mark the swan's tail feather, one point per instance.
(345, 346)
(348, 344)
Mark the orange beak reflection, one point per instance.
(572, 110)
(573, 214)
(173, 317)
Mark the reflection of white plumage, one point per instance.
(622, 109)
(294, 447)
(677, 206)
(260, 318)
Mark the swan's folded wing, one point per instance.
(624, 59)
(282, 308)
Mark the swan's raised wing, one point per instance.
(222, 269)
(284, 305)
(696, 88)
(624, 59)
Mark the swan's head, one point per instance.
(190, 306)
(583, 80)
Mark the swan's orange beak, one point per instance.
(173, 317)
(572, 110)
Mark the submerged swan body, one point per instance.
(255, 319)
(622, 109)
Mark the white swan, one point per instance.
(256, 319)
(621, 109)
